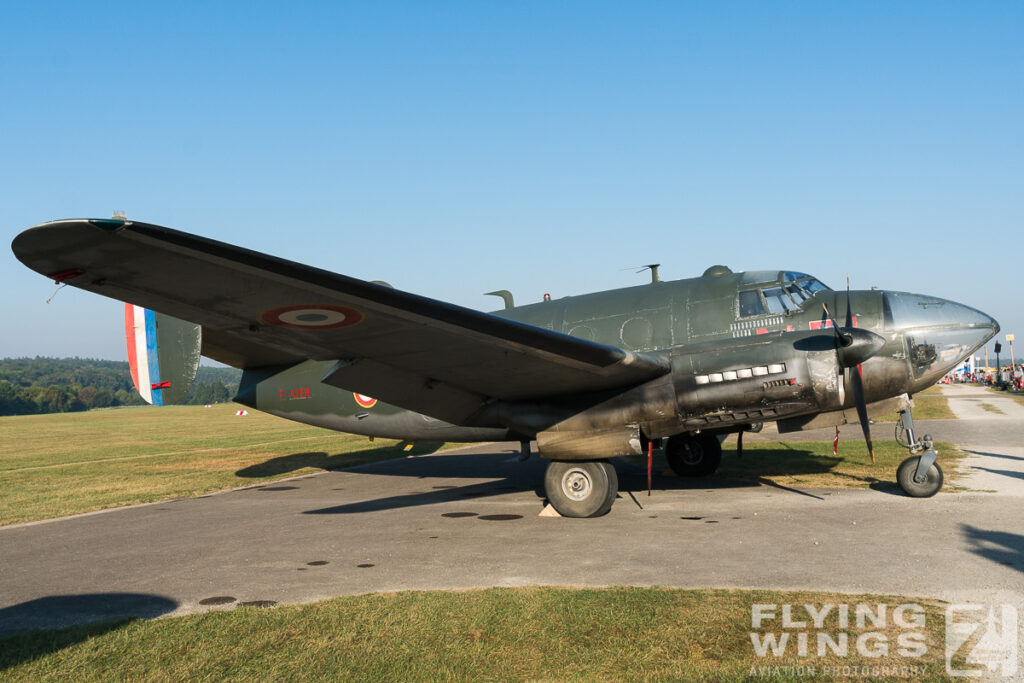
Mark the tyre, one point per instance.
(926, 489)
(696, 456)
(585, 488)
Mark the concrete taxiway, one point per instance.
(469, 518)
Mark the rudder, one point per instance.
(163, 354)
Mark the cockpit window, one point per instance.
(777, 300)
(798, 293)
(750, 303)
(804, 280)
(812, 285)
(774, 299)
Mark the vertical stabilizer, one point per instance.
(163, 353)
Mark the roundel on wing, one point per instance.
(364, 400)
(312, 316)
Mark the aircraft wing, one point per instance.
(257, 311)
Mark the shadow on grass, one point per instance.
(296, 461)
(43, 626)
(1001, 547)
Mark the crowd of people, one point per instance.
(1010, 377)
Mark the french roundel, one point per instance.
(312, 316)
(365, 401)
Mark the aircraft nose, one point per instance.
(906, 311)
(939, 334)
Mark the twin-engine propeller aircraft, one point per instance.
(589, 377)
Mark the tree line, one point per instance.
(30, 386)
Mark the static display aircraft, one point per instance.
(589, 377)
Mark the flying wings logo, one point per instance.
(312, 316)
(981, 639)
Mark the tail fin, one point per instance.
(163, 353)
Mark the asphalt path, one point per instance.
(469, 518)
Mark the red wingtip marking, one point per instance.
(62, 275)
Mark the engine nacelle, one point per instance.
(755, 380)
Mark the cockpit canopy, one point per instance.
(773, 292)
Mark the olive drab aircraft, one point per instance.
(682, 363)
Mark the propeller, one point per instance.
(853, 347)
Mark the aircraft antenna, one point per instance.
(505, 295)
(653, 267)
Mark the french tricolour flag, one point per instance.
(140, 334)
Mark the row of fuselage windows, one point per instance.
(742, 373)
(776, 299)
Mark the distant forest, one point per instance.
(30, 386)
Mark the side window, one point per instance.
(750, 303)
(798, 294)
(777, 300)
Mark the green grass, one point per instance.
(67, 463)
(925, 408)
(811, 463)
(988, 407)
(929, 404)
(625, 634)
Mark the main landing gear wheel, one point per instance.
(694, 456)
(927, 487)
(585, 488)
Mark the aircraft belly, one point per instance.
(406, 425)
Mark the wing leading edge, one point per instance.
(257, 310)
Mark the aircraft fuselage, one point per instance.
(743, 348)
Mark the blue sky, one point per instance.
(456, 148)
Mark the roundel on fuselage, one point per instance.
(364, 400)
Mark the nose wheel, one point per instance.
(915, 486)
(919, 475)
(585, 488)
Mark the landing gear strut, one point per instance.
(919, 475)
(584, 488)
(694, 456)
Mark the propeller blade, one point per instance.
(854, 347)
(849, 308)
(857, 384)
(844, 338)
